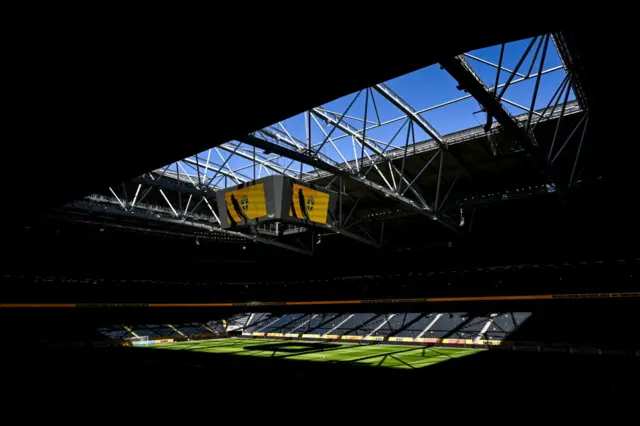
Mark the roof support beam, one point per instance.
(346, 128)
(165, 184)
(289, 140)
(406, 108)
(469, 81)
(312, 161)
(214, 169)
(571, 62)
(349, 234)
(114, 211)
(268, 165)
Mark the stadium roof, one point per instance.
(442, 110)
(423, 143)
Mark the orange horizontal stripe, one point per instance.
(190, 305)
(325, 302)
(481, 298)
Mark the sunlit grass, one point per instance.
(377, 355)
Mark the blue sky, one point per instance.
(422, 89)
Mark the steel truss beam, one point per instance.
(453, 101)
(469, 81)
(205, 182)
(346, 128)
(290, 140)
(571, 63)
(352, 235)
(403, 106)
(278, 169)
(462, 136)
(356, 237)
(250, 165)
(149, 208)
(231, 174)
(267, 162)
(312, 161)
(114, 211)
(165, 184)
(410, 112)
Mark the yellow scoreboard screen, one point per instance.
(246, 203)
(309, 204)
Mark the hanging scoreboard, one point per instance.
(309, 204)
(277, 199)
(245, 203)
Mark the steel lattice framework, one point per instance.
(368, 138)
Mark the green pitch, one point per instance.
(380, 355)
